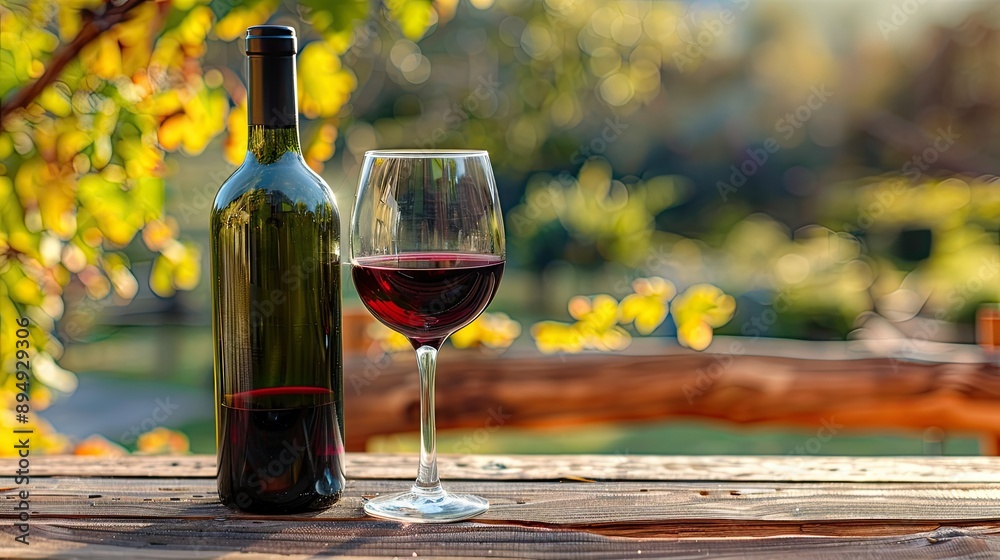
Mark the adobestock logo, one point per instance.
(919, 163)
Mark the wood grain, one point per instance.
(541, 506)
(249, 539)
(552, 503)
(534, 391)
(787, 468)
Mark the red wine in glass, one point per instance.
(427, 296)
(427, 248)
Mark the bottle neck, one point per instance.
(272, 111)
(268, 144)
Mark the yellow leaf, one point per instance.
(97, 445)
(206, 116)
(72, 143)
(705, 302)
(158, 232)
(235, 145)
(325, 85)
(26, 290)
(336, 21)
(48, 372)
(110, 207)
(579, 307)
(162, 440)
(103, 56)
(188, 269)
(467, 336)
(552, 336)
(161, 277)
(235, 23)
(321, 146)
(494, 330)
(603, 313)
(655, 286)
(55, 99)
(615, 339)
(194, 28)
(389, 340)
(696, 335)
(172, 132)
(44, 439)
(648, 312)
(413, 16)
(697, 310)
(647, 308)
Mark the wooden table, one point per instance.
(569, 506)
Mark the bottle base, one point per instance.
(426, 505)
(244, 503)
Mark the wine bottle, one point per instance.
(275, 248)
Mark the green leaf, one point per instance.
(175, 16)
(221, 8)
(335, 20)
(413, 16)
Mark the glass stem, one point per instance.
(427, 476)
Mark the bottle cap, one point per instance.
(271, 39)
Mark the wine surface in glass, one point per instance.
(427, 296)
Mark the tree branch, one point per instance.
(103, 19)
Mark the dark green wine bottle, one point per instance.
(275, 245)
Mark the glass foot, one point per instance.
(426, 505)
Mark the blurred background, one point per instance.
(792, 181)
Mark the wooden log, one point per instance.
(528, 390)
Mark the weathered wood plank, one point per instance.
(534, 391)
(555, 467)
(248, 539)
(553, 503)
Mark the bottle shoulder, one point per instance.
(286, 181)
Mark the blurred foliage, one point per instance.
(495, 331)
(388, 340)
(162, 441)
(158, 441)
(97, 445)
(490, 331)
(600, 320)
(696, 311)
(617, 217)
(95, 95)
(610, 124)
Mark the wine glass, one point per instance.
(427, 245)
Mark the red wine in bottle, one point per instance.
(275, 245)
(427, 296)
